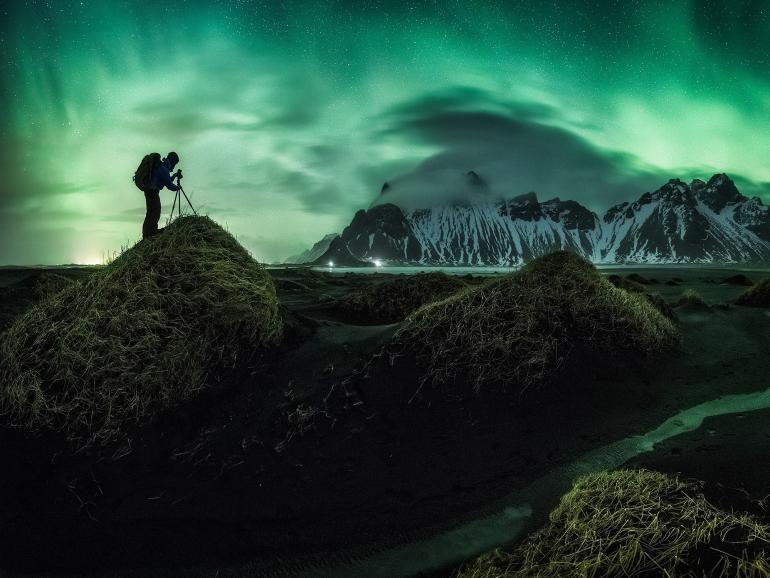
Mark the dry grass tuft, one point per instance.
(139, 335)
(523, 328)
(756, 296)
(655, 299)
(635, 523)
(392, 300)
(692, 298)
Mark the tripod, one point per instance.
(178, 200)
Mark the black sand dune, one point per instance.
(321, 451)
(756, 296)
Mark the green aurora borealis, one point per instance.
(289, 116)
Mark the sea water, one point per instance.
(488, 270)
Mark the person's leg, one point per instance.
(152, 200)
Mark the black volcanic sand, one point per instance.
(730, 452)
(327, 460)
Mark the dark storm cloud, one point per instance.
(513, 152)
(462, 98)
(374, 174)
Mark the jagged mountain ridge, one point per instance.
(680, 223)
(316, 251)
(700, 222)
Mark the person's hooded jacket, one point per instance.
(162, 177)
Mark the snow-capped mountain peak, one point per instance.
(679, 222)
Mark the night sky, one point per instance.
(289, 116)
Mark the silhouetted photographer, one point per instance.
(152, 175)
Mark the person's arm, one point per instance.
(166, 180)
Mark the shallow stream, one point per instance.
(536, 500)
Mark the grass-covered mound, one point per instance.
(740, 280)
(692, 299)
(756, 296)
(526, 327)
(393, 299)
(635, 523)
(139, 335)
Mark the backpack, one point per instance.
(145, 172)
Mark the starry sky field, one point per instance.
(289, 116)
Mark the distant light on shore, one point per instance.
(331, 263)
(90, 260)
(377, 263)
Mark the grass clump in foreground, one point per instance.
(139, 335)
(635, 523)
(392, 300)
(756, 296)
(526, 327)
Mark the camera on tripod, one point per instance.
(178, 197)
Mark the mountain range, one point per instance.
(699, 222)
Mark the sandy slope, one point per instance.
(328, 459)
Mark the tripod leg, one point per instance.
(171, 216)
(188, 201)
